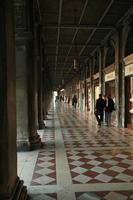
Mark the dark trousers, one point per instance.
(99, 116)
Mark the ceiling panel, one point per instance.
(81, 22)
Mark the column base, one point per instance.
(41, 125)
(44, 117)
(35, 142)
(19, 192)
(23, 145)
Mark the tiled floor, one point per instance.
(79, 160)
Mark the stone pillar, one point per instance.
(45, 97)
(91, 86)
(11, 187)
(32, 49)
(22, 98)
(105, 49)
(118, 79)
(34, 139)
(101, 73)
(26, 76)
(40, 107)
(26, 89)
(121, 79)
(125, 31)
(47, 94)
(40, 68)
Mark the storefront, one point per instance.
(110, 81)
(96, 86)
(110, 84)
(129, 91)
(88, 95)
(76, 91)
(110, 87)
(82, 95)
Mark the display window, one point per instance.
(129, 102)
(129, 91)
(88, 98)
(96, 92)
(110, 89)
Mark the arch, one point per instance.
(129, 43)
(96, 66)
(110, 54)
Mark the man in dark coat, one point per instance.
(99, 108)
(109, 107)
(74, 101)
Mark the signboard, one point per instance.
(95, 76)
(110, 76)
(129, 70)
(88, 80)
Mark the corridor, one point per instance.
(78, 159)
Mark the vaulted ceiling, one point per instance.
(84, 23)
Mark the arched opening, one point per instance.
(96, 77)
(129, 43)
(110, 77)
(128, 60)
(110, 72)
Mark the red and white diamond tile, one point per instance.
(45, 170)
(51, 196)
(100, 167)
(105, 195)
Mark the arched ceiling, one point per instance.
(129, 43)
(93, 21)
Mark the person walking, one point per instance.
(99, 108)
(109, 107)
(74, 101)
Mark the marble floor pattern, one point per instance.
(79, 160)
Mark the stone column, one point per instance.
(118, 79)
(32, 49)
(91, 86)
(40, 107)
(47, 94)
(40, 68)
(43, 95)
(34, 138)
(26, 77)
(121, 79)
(10, 185)
(22, 98)
(105, 49)
(124, 34)
(45, 98)
(27, 137)
(101, 74)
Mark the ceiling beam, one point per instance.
(70, 56)
(98, 24)
(51, 64)
(81, 26)
(77, 29)
(94, 30)
(58, 35)
(124, 17)
(39, 11)
(72, 45)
